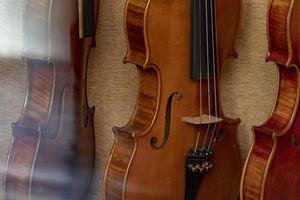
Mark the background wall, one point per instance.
(248, 83)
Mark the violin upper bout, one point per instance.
(279, 32)
(227, 23)
(295, 32)
(135, 32)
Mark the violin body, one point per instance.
(52, 148)
(149, 153)
(271, 171)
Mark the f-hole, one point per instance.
(54, 124)
(154, 140)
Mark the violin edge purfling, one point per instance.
(157, 35)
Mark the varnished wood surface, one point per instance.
(264, 146)
(158, 42)
(271, 174)
(258, 160)
(248, 83)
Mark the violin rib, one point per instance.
(271, 169)
(52, 148)
(147, 160)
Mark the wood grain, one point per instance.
(270, 170)
(248, 83)
(159, 44)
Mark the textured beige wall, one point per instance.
(248, 83)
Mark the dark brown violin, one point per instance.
(52, 148)
(178, 143)
(272, 171)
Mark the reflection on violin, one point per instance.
(51, 154)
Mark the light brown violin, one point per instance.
(178, 143)
(272, 171)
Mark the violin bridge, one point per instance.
(202, 119)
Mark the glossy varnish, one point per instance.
(158, 41)
(271, 171)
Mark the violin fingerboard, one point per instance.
(86, 18)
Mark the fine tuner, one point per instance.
(200, 167)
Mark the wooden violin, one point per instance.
(271, 171)
(178, 143)
(52, 148)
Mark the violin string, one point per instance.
(200, 73)
(212, 16)
(208, 57)
(200, 58)
(197, 141)
(208, 71)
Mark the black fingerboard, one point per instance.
(88, 18)
(203, 45)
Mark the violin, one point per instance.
(52, 149)
(178, 144)
(271, 171)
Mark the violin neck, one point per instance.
(86, 18)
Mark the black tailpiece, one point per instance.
(196, 165)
